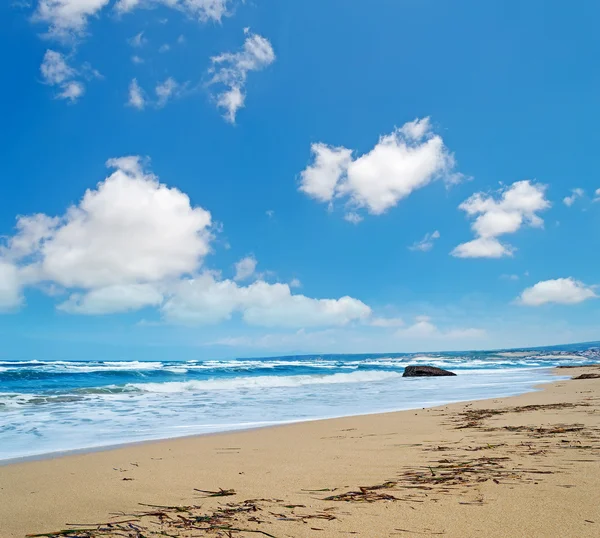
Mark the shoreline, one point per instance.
(116, 446)
(310, 474)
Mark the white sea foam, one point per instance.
(262, 382)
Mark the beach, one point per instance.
(525, 465)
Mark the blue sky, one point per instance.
(392, 176)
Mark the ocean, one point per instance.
(55, 406)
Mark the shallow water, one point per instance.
(50, 406)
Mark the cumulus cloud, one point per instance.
(560, 291)
(597, 198)
(517, 205)
(425, 244)
(320, 179)
(137, 98)
(408, 159)
(130, 229)
(202, 10)
(245, 268)
(132, 242)
(230, 70)
(10, 286)
(576, 193)
(67, 19)
(204, 300)
(57, 72)
(113, 299)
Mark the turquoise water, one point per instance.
(50, 406)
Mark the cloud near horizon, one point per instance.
(566, 291)
(133, 242)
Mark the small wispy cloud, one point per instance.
(426, 243)
(230, 70)
(576, 193)
(245, 268)
(165, 91)
(138, 40)
(56, 71)
(353, 217)
(137, 98)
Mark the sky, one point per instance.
(196, 179)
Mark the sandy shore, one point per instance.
(482, 469)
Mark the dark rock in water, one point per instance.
(425, 371)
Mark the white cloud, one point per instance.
(245, 268)
(132, 242)
(295, 283)
(353, 217)
(57, 72)
(164, 48)
(560, 291)
(136, 59)
(518, 205)
(597, 199)
(138, 40)
(426, 243)
(386, 322)
(270, 213)
(320, 179)
(113, 299)
(203, 10)
(408, 159)
(166, 90)
(72, 91)
(204, 300)
(230, 70)
(130, 229)
(10, 286)
(509, 277)
(137, 98)
(67, 18)
(576, 193)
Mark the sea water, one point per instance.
(53, 406)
